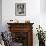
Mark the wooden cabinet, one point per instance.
(22, 33)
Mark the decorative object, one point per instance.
(7, 38)
(41, 36)
(45, 35)
(27, 21)
(1, 40)
(13, 21)
(20, 9)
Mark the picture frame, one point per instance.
(20, 9)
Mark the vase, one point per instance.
(41, 43)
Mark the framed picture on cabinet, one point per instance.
(20, 9)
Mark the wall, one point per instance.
(43, 14)
(43, 6)
(0, 15)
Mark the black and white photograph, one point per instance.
(20, 9)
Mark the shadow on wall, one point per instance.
(0, 15)
(43, 6)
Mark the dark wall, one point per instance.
(0, 15)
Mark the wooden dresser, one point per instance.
(22, 33)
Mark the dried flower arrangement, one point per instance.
(41, 36)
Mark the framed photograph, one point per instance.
(20, 9)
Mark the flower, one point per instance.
(40, 33)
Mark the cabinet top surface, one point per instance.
(19, 23)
